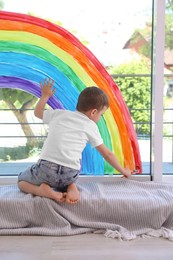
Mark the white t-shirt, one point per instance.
(69, 132)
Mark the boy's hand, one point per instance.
(127, 172)
(46, 88)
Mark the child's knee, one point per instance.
(21, 185)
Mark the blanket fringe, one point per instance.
(163, 232)
(126, 236)
(119, 235)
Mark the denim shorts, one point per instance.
(56, 176)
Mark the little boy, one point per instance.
(69, 131)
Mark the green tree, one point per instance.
(135, 91)
(19, 102)
(169, 31)
(169, 24)
(169, 5)
(1, 4)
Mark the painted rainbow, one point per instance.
(32, 49)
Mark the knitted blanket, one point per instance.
(124, 209)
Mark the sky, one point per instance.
(106, 24)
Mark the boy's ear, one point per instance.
(93, 111)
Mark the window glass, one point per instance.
(119, 34)
(168, 92)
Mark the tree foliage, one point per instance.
(1, 4)
(169, 24)
(169, 5)
(136, 91)
(19, 102)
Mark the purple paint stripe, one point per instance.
(28, 86)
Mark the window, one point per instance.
(122, 39)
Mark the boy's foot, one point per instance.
(72, 196)
(50, 193)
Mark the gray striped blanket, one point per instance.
(124, 209)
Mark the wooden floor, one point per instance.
(83, 247)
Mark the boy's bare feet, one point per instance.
(72, 195)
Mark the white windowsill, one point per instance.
(9, 180)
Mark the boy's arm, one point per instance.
(112, 160)
(46, 93)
